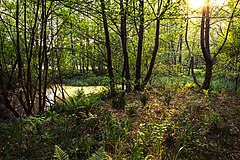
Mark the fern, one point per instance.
(100, 154)
(59, 154)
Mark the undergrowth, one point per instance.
(169, 122)
(87, 80)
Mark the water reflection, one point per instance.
(55, 92)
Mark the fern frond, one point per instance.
(59, 154)
(100, 154)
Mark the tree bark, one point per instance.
(140, 46)
(156, 44)
(154, 53)
(126, 71)
(41, 59)
(191, 66)
(45, 57)
(204, 38)
(180, 53)
(32, 44)
(19, 58)
(108, 47)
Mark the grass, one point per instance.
(171, 121)
(87, 80)
(220, 84)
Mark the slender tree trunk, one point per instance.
(3, 87)
(83, 64)
(204, 38)
(30, 95)
(72, 45)
(20, 63)
(45, 57)
(154, 53)
(108, 47)
(140, 47)
(87, 54)
(60, 75)
(191, 66)
(80, 64)
(19, 58)
(40, 73)
(28, 83)
(93, 63)
(156, 44)
(41, 59)
(180, 53)
(126, 71)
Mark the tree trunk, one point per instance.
(156, 45)
(191, 66)
(180, 53)
(108, 47)
(154, 54)
(72, 46)
(204, 38)
(140, 46)
(45, 56)
(126, 71)
(19, 58)
(43, 59)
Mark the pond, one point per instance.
(70, 91)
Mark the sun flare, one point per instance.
(196, 3)
(199, 3)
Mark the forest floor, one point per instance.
(158, 123)
(186, 124)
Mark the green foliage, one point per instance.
(167, 97)
(87, 80)
(113, 128)
(165, 94)
(222, 84)
(81, 103)
(180, 128)
(59, 154)
(79, 93)
(199, 72)
(179, 122)
(211, 118)
(119, 102)
(100, 154)
(144, 98)
(131, 109)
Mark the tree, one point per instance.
(204, 39)
(140, 33)
(108, 47)
(123, 34)
(157, 32)
(205, 45)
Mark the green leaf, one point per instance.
(59, 154)
(100, 154)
